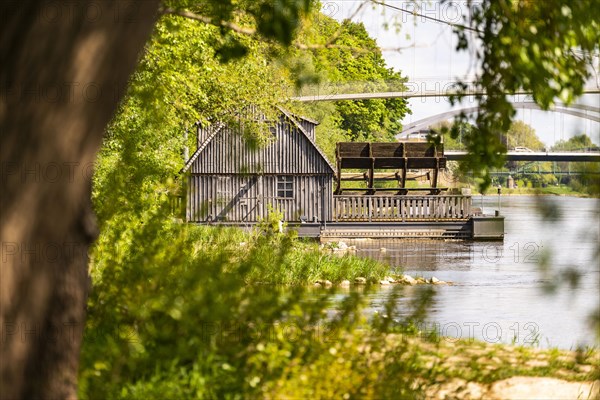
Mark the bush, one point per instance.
(177, 313)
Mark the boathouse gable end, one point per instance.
(290, 151)
(231, 181)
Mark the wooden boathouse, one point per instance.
(232, 182)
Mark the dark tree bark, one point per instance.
(63, 69)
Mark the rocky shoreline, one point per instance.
(388, 280)
(341, 248)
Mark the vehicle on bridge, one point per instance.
(522, 149)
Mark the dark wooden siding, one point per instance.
(290, 152)
(231, 181)
(309, 127)
(245, 198)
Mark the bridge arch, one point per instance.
(578, 110)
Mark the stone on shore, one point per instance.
(360, 280)
(408, 280)
(436, 281)
(522, 387)
(345, 283)
(324, 282)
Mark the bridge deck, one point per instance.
(453, 155)
(414, 92)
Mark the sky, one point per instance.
(424, 50)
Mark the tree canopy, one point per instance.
(580, 142)
(358, 59)
(522, 135)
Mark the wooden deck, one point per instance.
(356, 208)
(457, 230)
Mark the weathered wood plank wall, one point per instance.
(233, 181)
(289, 153)
(244, 199)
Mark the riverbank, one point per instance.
(196, 323)
(438, 367)
(471, 369)
(400, 365)
(540, 191)
(301, 263)
(335, 264)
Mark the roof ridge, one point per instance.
(218, 126)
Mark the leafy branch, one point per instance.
(252, 32)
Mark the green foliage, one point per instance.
(272, 224)
(172, 314)
(542, 47)
(452, 134)
(549, 179)
(299, 263)
(576, 143)
(353, 62)
(589, 181)
(270, 20)
(329, 131)
(522, 135)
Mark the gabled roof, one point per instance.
(217, 127)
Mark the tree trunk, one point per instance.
(64, 68)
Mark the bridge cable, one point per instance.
(416, 14)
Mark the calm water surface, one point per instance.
(498, 293)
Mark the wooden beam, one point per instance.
(355, 162)
(372, 170)
(389, 162)
(339, 170)
(404, 172)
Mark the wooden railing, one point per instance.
(401, 208)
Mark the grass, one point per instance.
(477, 361)
(366, 363)
(281, 259)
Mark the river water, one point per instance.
(499, 288)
